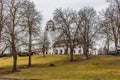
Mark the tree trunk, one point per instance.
(43, 50)
(44, 45)
(107, 46)
(14, 57)
(0, 33)
(66, 50)
(85, 53)
(116, 51)
(108, 41)
(14, 62)
(1, 17)
(116, 40)
(71, 54)
(30, 41)
(29, 62)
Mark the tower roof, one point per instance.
(50, 21)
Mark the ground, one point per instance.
(95, 68)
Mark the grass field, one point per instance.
(95, 68)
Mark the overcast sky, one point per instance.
(47, 7)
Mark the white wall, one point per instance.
(53, 50)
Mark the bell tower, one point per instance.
(50, 26)
(51, 34)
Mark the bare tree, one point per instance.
(110, 17)
(64, 20)
(87, 24)
(12, 27)
(32, 21)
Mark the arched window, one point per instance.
(56, 51)
(65, 51)
(61, 51)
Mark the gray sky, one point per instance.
(47, 7)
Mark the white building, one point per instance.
(59, 46)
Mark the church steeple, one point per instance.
(50, 26)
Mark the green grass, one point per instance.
(95, 68)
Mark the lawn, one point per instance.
(95, 68)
